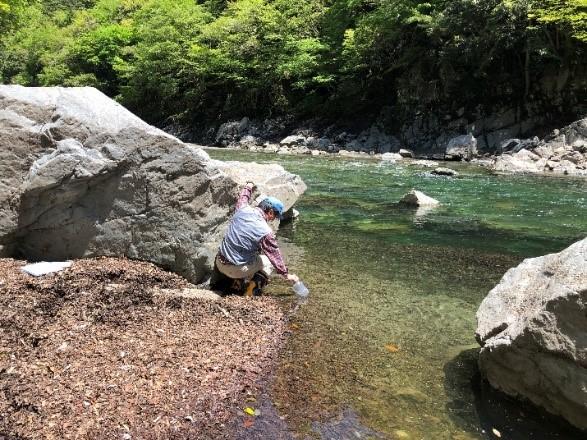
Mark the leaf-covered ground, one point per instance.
(91, 352)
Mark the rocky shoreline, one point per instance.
(562, 152)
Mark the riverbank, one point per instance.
(521, 162)
(562, 152)
(101, 351)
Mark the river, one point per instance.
(384, 347)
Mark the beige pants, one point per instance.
(246, 271)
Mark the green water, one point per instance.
(388, 331)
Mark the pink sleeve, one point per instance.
(243, 198)
(270, 248)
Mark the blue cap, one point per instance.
(273, 203)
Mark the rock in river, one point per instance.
(442, 171)
(533, 330)
(418, 198)
(81, 176)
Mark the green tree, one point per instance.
(159, 76)
(570, 15)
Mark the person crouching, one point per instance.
(249, 251)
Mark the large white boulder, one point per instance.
(81, 176)
(533, 330)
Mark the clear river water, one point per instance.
(384, 347)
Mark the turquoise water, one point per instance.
(388, 331)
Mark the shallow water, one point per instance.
(388, 331)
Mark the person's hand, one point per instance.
(292, 278)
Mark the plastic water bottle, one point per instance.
(300, 290)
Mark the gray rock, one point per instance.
(515, 145)
(293, 140)
(271, 179)
(378, 141)
(417, 198)
(518, 164)
(406, 153)
(323, 143)
(231, 132)
(544, 151)
(461, 148)
(559, 153)
(442, 171)
(81, 176)
(532, 328)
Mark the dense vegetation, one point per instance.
(186, 60)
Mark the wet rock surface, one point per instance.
(532, 330)
(92, 352)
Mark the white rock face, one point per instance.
(81, 176)
(418, 198)
(533, 330)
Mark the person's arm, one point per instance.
(270, 248)
(245, 196)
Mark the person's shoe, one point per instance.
(255, 286)
(252, 288)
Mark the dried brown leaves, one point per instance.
(91, 353)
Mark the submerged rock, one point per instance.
(442, 171)
(532, 328)
(81, 176)
(417, 198)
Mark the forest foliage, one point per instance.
(186, 60)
